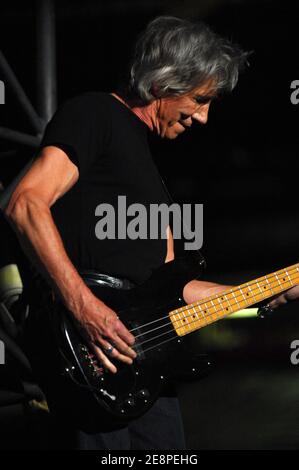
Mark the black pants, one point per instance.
(159, 429)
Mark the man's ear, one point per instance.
(155, 90)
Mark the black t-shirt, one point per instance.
(108, 143)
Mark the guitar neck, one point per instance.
(194, 316)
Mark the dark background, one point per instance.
(243, 166)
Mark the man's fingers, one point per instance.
(121, 338)
(120, 357)
(116, 348)
(278, 300)
(114, 324)
(107, 364)
(124, 333)
(110, 339)
(287, 296)
(293, 293)
(104, 360)
(123, 347)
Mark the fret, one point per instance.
(226, 306)
(286, 282)
(282, 281)
(213, 316)
(220, 301)
(265, 285)
(217, 314)
(250, 291)
(258, 285)
(213, 305)
(187, 320)
(278, 280)
(200, 316)
(195, 312)
(202, 313)
(196, 317)
(223, 302)
(245, 300)
(228, 302)
(269, 284)
(180, 318)
(233, 294)
(290, 280)
(227, 309)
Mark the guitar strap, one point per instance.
(179, 214)
(96, 279)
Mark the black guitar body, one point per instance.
(118, 398)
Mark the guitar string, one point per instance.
(176, 336)
(208, 299)
(198, 303)
(173, 330)
(206, 317)
(162, 342)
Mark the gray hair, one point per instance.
(172, 56)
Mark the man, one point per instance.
(94, 149)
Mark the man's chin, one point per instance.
(170, 136)
(171, 133)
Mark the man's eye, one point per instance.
(202, 99)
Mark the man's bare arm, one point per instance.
(28, 211)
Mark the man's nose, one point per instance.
(187, 121)
(201, 115)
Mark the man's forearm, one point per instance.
(41, 241)
(196, 290)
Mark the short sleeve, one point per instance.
(79, 128)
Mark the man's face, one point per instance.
(175, 114)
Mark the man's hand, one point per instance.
(284, 297)
(107, 335)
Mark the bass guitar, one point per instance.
(157, 316)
